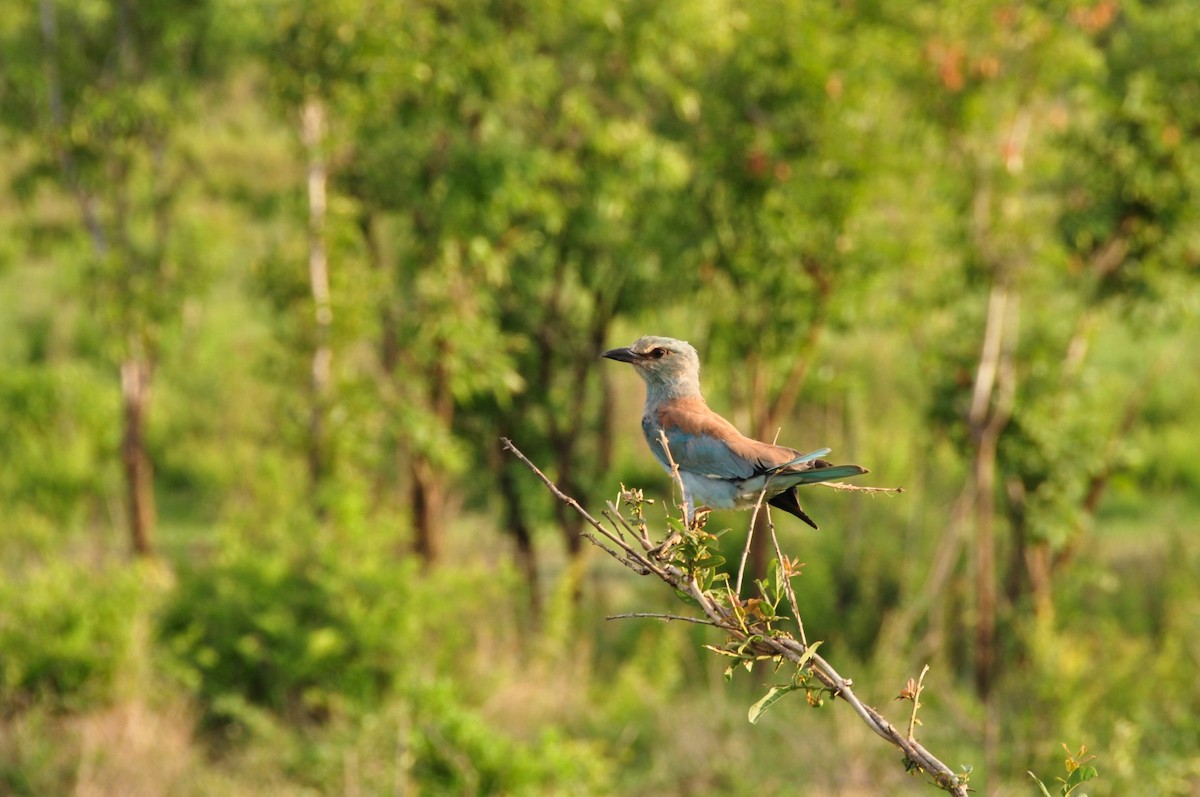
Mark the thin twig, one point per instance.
(750, 534)
(754, 522)
(658, 616)
(787, 580)
(614, 517)
(571, 502)
(858, 488)
(616, 527)
(689, 511)
(916, 700)
(639, 533)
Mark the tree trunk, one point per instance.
(430, 487)
(984, 474)
(568, 521)
(139, 472)
(991, 407)
(312, 134)
(428, 509)
(768, 415)
(525, 553)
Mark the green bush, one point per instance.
(301, 634)
(456, 751)
(56, 439)
(65, 632)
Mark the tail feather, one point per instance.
(818, 474)
(821, 471)
(788, 502)
(800, 460)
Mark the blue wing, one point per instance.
(708, 455)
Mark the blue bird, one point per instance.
(720, 468)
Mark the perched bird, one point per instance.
(720, 468)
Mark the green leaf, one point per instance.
(809, 652)
(1081, 775)
(723, 651)
(774, 694)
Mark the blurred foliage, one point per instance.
(68, 633)
(820, 196)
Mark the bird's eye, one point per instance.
(657, 353)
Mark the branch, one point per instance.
(859, 488)
(632, 558)
(660, 616)
(746, 633)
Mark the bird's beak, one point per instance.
(624, 355)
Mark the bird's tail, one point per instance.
(827, 473)
(800, 460)
(819, 470)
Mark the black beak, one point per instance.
(624, 355)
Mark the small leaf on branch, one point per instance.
(723, 651)
(806, 657)
(791, 567)
(1081, 774)
(773, 696)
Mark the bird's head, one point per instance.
(669, 367)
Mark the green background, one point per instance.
(958, 243)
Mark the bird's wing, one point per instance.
(704, 443)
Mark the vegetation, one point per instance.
(277, 277)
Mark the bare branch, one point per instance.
(859, 488)
(754, 522)
(631, 553)
(659, 616)
(750, 533)
(677, 477)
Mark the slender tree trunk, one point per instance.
(984, 473)
(789, 394)
(991, 407)
(566, 439)
(428, 509)
(525, 553)
(768, 413)
(312, 133)
(604, 456)
(430, 488)
(568, 521)
(1016, 580)
(1039, 565)
(389, 316)
(139, 472)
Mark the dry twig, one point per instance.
(859, 488)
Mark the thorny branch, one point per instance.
(646, 558)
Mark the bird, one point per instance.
(719, 467)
